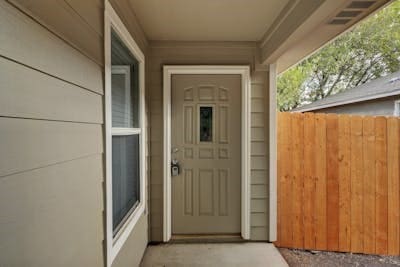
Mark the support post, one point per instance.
(273, 191)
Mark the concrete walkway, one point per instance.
(213, 254)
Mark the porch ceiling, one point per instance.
(207, 20)
(285, 30)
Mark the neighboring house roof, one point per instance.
(379, 88)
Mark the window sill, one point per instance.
(125, 231)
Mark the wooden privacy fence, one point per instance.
(338, 183)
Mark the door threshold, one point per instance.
(207, 238)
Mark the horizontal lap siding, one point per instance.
(78, 22)
(51, 132)
(33, 144)
(51, 216)
(259, 156)
(27, 42)
(33, 94)
(171, 53)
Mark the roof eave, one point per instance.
(346, 102)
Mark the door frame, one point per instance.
(244, 71)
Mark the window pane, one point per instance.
(397, 108)
(206, 131)
(125, 176)
(124, 85)
(121, 106)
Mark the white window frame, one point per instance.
(396, 108)
(114, 244)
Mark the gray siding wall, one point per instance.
(51, 137)
(259, 205)
(51, 162)
(170, 53)
(382, 107)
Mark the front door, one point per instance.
(206, 143)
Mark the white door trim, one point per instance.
(273, 183)
(244, 71)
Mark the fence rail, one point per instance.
(339, 183)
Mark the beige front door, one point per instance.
(206, 142)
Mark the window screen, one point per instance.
(125, 173)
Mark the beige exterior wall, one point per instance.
(52, 201)
(259, 205)
(222, 53)
(51, 164)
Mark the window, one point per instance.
(125, 136)
(125, 177)
(397, 108)
(124, 96)
(206, 123)
(125, 132)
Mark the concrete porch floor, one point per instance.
(213, 254)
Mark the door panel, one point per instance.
(206, 140)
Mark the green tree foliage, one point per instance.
(290, 87)
(369, 51)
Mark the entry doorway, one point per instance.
(206, 150)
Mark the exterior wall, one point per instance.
(52, 201)
(170, 53)
(51, 193)
(259, 204)
(383, 107)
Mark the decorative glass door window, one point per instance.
(206, 114)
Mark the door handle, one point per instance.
(175, 168)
